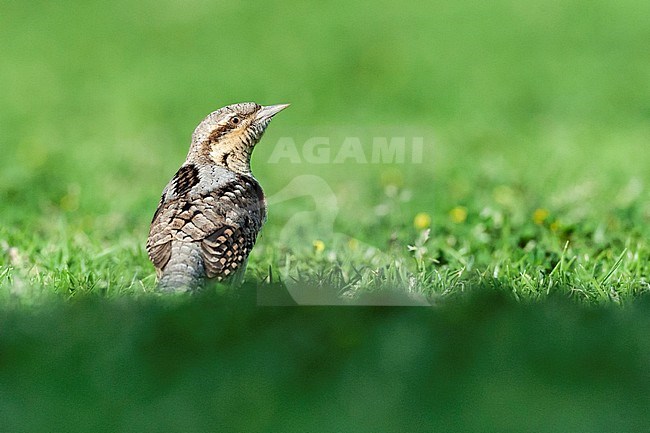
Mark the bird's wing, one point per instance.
(233, 227)
(159, 245)
(225, 250)
(225, 221)
(168, 222)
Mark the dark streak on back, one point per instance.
(185, 179)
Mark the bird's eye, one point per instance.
(235, 120)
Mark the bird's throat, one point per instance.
(234, 158)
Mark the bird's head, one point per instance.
(227, 136)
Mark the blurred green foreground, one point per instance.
(481, 364)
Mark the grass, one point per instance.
(525, 223)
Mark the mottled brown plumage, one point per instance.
(212, 210)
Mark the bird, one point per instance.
(211, 211)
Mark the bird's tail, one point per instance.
(184, 271)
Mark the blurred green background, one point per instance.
(523, 107)
(535, 117)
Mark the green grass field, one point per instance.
(531, 190)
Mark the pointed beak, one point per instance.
(269, 111)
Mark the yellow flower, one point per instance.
(555, 226)
(422, 221)
(540, 215)
(458, 214)
(353, 244)
(319, 246)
